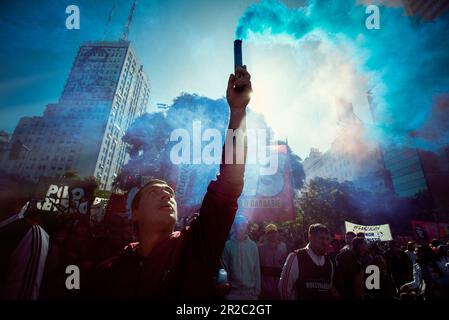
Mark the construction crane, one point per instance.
(128, 23)
(111, 13)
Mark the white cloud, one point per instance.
(297, 85)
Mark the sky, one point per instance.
(184, 46)
(340, 51)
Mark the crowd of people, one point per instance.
(259, 262)
(418, 270)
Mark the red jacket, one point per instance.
(183, 265)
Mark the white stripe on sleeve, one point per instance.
(288, 278)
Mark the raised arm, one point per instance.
(210, 230)
(230, 180)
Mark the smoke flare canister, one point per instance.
(238, 54)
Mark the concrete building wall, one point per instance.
(104, 92)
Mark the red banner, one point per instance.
(426, 230)
(269, 197)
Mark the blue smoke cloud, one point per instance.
(151, 132)
(406, 60)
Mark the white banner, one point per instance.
(373, 233)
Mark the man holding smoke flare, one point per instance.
(180, 265)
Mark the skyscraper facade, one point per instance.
(104, 92)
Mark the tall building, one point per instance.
(4, 138)
(365, 172)
(414, 170)
(104, 92)
(350, 157)
(436, 170)
(426, 9)
(4, 144)
(406, 171)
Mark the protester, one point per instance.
(442, 264)
(425, 276)
(350, 270)
(308, 273)
(241, 261)
(256, 232)
(443, 260)
(399, 265)
(349, 236)
(164, 264)
(411, 251)
(23, 253)
(272, 254)
(434, 243)
(360, 235)
(334, 250)
(72, 245)
(386, 288)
